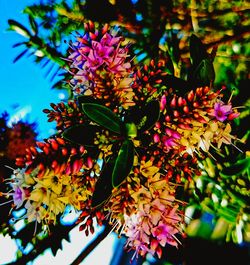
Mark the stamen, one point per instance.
(134, 255)
(113, 228)
(35, 228)
(4, 203)
(9, 167)
(177, 240)
(237, 148)
(122, 229)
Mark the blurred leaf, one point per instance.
(238, 168)
(102, 116)
(123, 163)
(177, 84)
(19, 56)
(220, 229)
(87, 99)
(19, 44)
(33, 25)
(228, 214)
(169, 64)
(197, 50)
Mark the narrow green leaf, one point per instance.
(228, 215)
(82, 134)
(103, 186)
(19, 28)
(150, 115)
(33, 24)
(123, 163)
(20, 55)
(102, 116)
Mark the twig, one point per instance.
(92, 245)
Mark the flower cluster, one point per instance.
(124, 144)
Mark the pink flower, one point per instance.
(171, 138)
(19, 196)
(164, 233)
(221, 111)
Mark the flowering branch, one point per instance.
(126, 145)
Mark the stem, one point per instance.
(92, 245)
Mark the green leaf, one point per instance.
(204, 73)
(238, 168)
(82, 134)
(103, 186)
(33, 24)
(123, 163)
(228, 214)
(149, 115)
(102, 116)
(197, 50)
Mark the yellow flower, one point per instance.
(39, 195)
(224, 136)
(35, 211)
(55, 205)
(147, 169)
(54, 182)
(75, 197)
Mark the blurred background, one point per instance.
(33, 35)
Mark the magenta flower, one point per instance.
(171, 138)
(221, 111)
(18, 196)
(164, 233)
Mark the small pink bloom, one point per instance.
(221, 111)
(18, 196)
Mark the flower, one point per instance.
(19, 196)
(221, 111)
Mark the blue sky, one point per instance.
(24, 86)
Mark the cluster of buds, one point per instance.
(65, 115)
